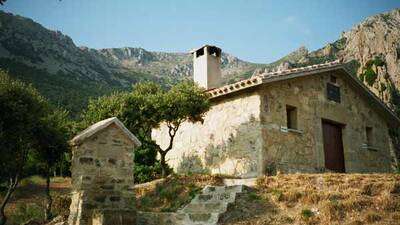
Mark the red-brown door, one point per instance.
(333, 147)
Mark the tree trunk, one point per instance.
(49, 200)
(11, 188)
(163, 165)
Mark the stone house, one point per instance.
(102, 176)
(312, 119)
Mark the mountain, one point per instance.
(372, 49)
(69, 75)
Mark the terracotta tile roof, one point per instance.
(304, 71)
(273, 76)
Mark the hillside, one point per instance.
(377, 38)
(350, 199)
(69, 75)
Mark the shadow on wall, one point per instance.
(192, 164)
(238, 155)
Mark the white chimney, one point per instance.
(206, 66)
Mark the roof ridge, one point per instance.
(299, 69)
(258, 79)
(94, 128)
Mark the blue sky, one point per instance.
(253, 30)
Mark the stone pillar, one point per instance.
(102, 175)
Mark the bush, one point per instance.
(306, 214)
(25, 212)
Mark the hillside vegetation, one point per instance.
(68, 75)
(352, 199)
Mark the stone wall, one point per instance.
(243, 133)
(102, 179)
(302, 150)
(228, 142)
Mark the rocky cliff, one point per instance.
(372, 49)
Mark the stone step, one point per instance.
(213, 207)
(223, 189)
(215, 197)
(205, 209)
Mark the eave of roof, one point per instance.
(299, 72)
(97, 127)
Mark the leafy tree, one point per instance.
(21, 109)
(51, 144)
(134, 118)
(184, 102)
(145, 108)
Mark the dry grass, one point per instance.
(173, 192)
(324, 199)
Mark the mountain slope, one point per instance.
(69, 75)
(372, 49)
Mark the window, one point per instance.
(333, 92)
(369, 135)
(291, 117)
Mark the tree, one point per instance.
(51, 144)
(184, 102)
(145, 108)
(135, 119)
(21, 109)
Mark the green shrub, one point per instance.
(370, 76)
(306, 214)
(25, 212)
(253, 196)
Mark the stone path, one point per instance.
(204, 209)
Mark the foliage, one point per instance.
(173, 192)
(370, 76)
(306, 214)
(69, 90)
(145, 108)
(33, 135)
(21, 110)
(27, 212)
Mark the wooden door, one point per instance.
(333, 146)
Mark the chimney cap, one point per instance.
(195, 49)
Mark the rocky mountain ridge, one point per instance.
(64, 72)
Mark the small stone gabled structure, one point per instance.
(102, 175)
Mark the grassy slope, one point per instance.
(352, 199)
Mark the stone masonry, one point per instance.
(245, 133)
(205, 209)
(102, 176)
